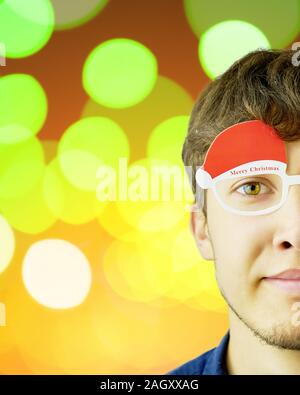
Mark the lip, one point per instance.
(291, 274)
(287, 281)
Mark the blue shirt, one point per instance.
(212, 362)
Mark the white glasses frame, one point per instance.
(205, 181)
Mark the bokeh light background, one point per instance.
(119, 286)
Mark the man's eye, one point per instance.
(252, 188)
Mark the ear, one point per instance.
(199, 228)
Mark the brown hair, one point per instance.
(264, 85)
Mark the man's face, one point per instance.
(248, 248)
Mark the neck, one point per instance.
(248, 354)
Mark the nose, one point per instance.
(288, 235)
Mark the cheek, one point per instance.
(234, 237)
(236, 248)
(240, 243)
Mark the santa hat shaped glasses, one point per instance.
(250, 145)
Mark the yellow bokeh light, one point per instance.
(7, 240)
(112, 222)
(137, 272)
(195, 282)
(56, 273)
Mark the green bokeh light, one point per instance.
(86, 145)
(224, 43)
(279, 20)
(14, 133)
(167, 139)
(22, 169)
(68, 203)
(25, 26)
(23, 102)
(120, 73)
(165, 143)
(29, 213)
(166, 100)
(69, 14)
(21, 166)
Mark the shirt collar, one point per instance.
(216, 364)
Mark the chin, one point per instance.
(281, 335)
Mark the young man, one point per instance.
(243, 144)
